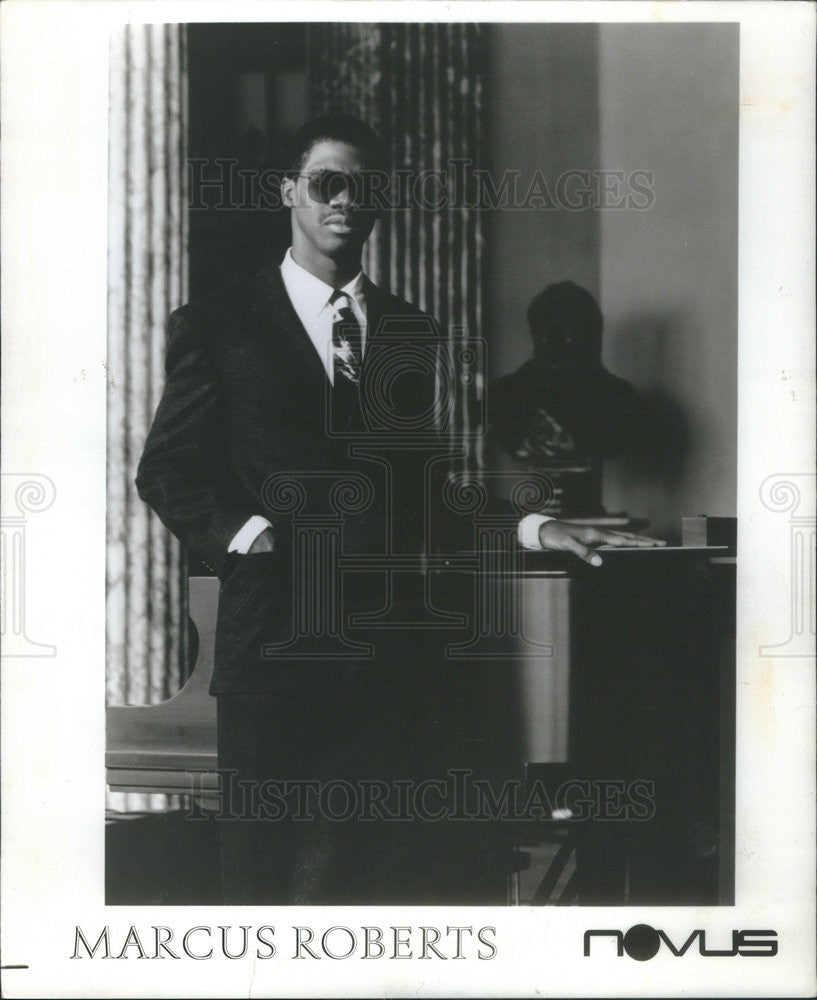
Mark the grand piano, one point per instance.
(589, 682)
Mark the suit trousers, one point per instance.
(300, 820)
(277, 755)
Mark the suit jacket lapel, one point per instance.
(287, 334)
(374, 308)
(285, 330)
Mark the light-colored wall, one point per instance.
(542, 115)
(668, 99)
(661, 98)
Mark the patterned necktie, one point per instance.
(347, 357)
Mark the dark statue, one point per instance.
(562, 411)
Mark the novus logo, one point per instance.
(642, 942)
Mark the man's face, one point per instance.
(329, 224)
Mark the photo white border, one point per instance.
(55, 379)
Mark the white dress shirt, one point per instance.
(310, 299)
(528, 530)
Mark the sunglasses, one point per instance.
(326, 186)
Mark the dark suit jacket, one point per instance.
(245, 400)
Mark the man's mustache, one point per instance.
(346, 218)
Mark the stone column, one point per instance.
(147, 265)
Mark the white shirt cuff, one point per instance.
(247, 534)
(528, 531)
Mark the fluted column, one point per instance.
(147, 262)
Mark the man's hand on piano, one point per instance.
(581, 539)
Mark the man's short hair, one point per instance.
(338, 128)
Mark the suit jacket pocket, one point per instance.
(254, 605)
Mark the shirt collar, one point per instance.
(309, 294)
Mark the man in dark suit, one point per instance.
(263, 386)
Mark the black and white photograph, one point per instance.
(409, 681)
(430, 488)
